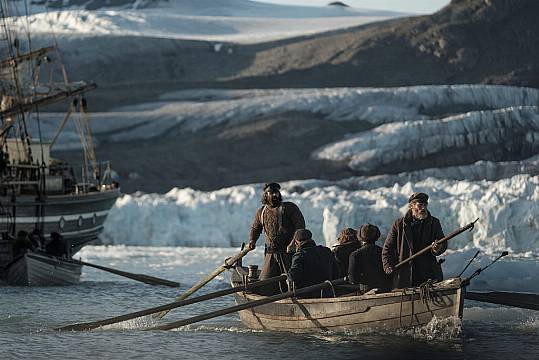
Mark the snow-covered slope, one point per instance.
(228, 20)
(512, 130)
(375, 106)
(507, 211)
(406, 124)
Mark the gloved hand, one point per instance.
(251, 245)
(388, 270)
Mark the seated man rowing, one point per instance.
(365, 264)
(312, 264)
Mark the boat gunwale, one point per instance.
(451, 284)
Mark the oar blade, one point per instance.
(157, 281)
(520, 300)
(147, 279)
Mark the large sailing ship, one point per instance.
(40, 195)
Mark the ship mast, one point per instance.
(22, 92)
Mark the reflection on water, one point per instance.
(27, 316)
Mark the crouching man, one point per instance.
(312, 264)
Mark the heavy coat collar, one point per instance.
(407, 226)
(348, 242)
(306, 244)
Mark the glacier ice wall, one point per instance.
(507, 210)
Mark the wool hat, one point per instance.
(368, 233)
(302, 235)
(419, 197)
(272, 186)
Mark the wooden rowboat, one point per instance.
(400, 308)
(40, 269)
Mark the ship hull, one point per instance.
(78, 218)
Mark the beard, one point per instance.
(420, 214)
(274, 200)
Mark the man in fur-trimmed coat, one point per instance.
(279, 220)
(408, 235)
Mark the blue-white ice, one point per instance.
(507, 210)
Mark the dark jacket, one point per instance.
(57, 247)
(313, 264)
(21, 245)
(366, 268)
(342, 252)
(279, 225)
(407, 237)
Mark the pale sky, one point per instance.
(411, 6)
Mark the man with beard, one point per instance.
(408, 235)
(279, 220)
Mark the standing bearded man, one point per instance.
(408, 235)
(279, 220)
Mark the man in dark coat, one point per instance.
(365, 264)
(279, 220)
(57, 246)
(312, 264)
(347, 242)
(408, 235)
(22, 244)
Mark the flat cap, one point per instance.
(419, 196)
(369, 233)
(302, 235)
(272, 186)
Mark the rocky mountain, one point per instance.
(468, 41)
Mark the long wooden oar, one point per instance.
(437, 242)
(138, 277)
(520, 300)
(227, 265)
(176, 304)
(248, 305)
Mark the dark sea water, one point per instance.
(27, 316)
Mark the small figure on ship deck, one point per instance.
(279, 220)
(365, 264)
(409, 234)
(312, 264)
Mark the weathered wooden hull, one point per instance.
(35, 269)
(363, 313)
